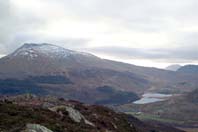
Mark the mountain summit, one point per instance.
(32, 51)
(41, 59)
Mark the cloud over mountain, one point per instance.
(158, 29)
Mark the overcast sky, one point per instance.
(143, 32)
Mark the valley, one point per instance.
(180, 110)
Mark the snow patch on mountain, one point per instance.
(34, 50)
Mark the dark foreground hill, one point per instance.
(30, 113)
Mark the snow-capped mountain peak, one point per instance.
(32, 51)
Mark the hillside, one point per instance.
(188, 69)
(27, 112)
(192, 96)
(46, 69)
(179, 110)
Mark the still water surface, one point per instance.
(152, 97)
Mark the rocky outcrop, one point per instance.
(36, 128)
(74, 114)
(48, 114)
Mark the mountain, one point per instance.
(49, 114)
(46, 69)
(188, 69)
(173, 67)
(39, 59)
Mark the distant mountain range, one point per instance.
(173, 67)
(46, 69)
(188, 69)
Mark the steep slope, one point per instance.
(57, 115)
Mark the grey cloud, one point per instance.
(183, 49)
(19, 27)
(12, 24)
(181, 54)
(4, 20)
(69, 43)
(135, 15)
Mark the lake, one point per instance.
(152, 97)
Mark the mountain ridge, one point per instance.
(46, 49)
(188, 69)
(78, 75)
(174, 67)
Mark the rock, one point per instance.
(74, 114)
(36, 128)
(77, 116)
